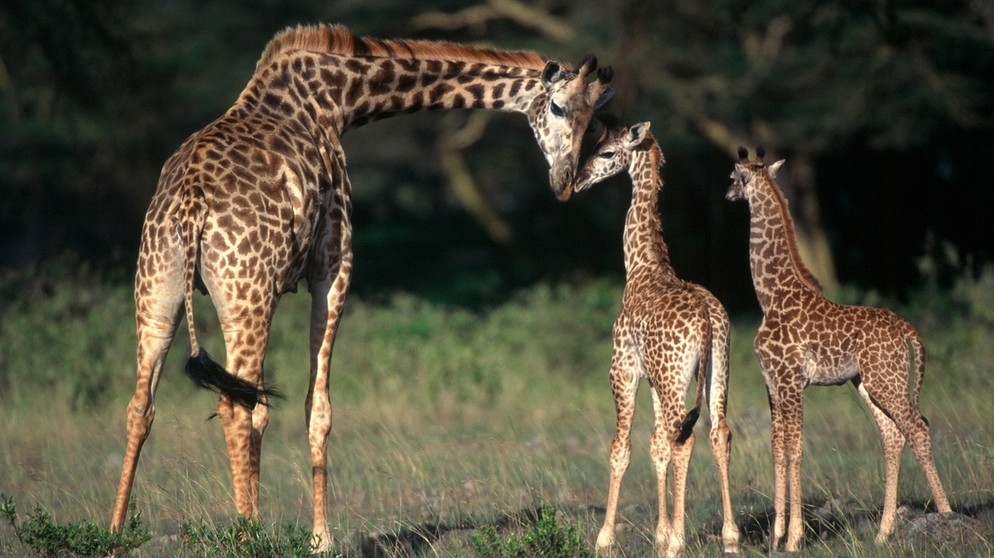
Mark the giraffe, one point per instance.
(666, 328)
(259, 199)
(806, 339)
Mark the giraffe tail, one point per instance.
(703, 373)
(200, 367)
(918, 353)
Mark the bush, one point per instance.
(246, 538)
(41, 534)
(547, 537)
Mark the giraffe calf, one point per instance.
(806, 339)
(668, 331)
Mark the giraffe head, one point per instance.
(612, 155)
(561, 114)
(747, 172)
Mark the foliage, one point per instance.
(547, 537)
(42, 534)
(246, 538)
(95, 96)
(66, 330)
(446, 417)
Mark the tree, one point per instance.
(805, 78)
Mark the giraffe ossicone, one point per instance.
(259, 199)
(806, 339)
(668, 331)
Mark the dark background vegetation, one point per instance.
(883, 109)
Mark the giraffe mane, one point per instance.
(337, 39)
(803, 273)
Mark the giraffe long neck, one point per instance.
(645, 249)
(345, 81)
(777, 268)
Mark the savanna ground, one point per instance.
(448, 420)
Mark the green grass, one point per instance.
(451, 425)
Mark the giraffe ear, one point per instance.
(775, 167)
(552, 73)
(637, 133)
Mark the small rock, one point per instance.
(941, 529)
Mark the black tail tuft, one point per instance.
(207, 374)
(687, 426)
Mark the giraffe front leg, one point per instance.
(792, 416)
(779, 474)
(624, 387)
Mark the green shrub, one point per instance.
(547, 537)
(41, 534)
(246, 538)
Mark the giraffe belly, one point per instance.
(829, 368)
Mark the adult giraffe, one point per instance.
(259, 199)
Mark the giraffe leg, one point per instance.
(246, 341)
(662, 451)
(902, 422)
(792, 417)
(779, 469)
(158, 306)
(154, 337)
(260, 419)
(327, 302)
(920, 439)
(624, 387)
(721, 435)
(682, 452)
(893, 442)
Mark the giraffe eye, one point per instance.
(607, 155)
(556, 109)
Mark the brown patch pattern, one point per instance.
(666, 330)
(806, 339)
(259, 199)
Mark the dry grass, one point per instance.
(446, 420)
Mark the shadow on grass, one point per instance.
(418, 539)
(832, 523)
(970, 527)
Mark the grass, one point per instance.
(455, 431)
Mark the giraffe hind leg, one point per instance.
(893, 442)
(156, 320)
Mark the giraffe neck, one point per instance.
(645, 249)
(345, 81)
(777, 268)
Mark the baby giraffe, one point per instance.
(806, 339)
(667, 328)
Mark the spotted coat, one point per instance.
(259, 199)
(667, 329)
(806, 339)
